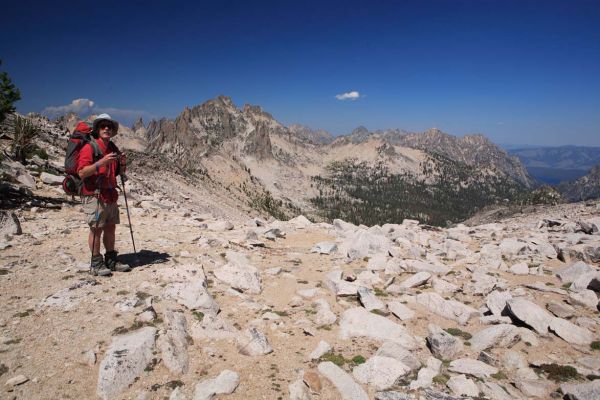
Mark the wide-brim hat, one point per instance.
(105, 117)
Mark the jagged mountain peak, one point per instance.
(138, 124)
(317, 136)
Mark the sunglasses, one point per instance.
(105, 125)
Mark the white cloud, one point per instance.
(77, 106)
(348, 96)
(86, 107)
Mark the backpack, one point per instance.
(72, 184)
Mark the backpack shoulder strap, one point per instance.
(96, 151)
(113, 146)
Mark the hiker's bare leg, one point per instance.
(109, 237)
(95, 242)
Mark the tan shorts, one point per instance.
(95, 210)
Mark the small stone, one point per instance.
(225, 383)
(400, 310)
(346, 386)
(254, 343)
(472, 367)
(298, 390)
(89, 358)
(322, 348)
(442, 344)
(462, 386)
(520, 269)
(561, 310)
(16, 381)
(313, 381)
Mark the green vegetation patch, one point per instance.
(337, 359)
(499, 375)
(441, 379)
(371, 194)
(459, 333)
(560, 373)
(595, 345)
(199, 315)
(358, 360)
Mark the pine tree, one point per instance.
(9, 94)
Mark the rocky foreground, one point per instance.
(296, 310)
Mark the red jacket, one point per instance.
(105, 179)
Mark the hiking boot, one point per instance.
(97, 267)
(112, 263)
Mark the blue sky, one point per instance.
(517, 71)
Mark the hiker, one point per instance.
(100, 195)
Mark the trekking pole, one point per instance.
(97, 216)
(128, 216)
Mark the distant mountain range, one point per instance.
(558, 164)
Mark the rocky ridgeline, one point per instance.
(584, 188)
(272, 309)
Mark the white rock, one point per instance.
(472, 367)
(513, 360)
(378, 262)
(462, 386)
(574, 271)
(173, 342)
(126, 358)
(530, 313)
(358, 322)
(254, 343)
(324, 314)
(239, 274)
(494, 391)
(89, 357)
(16, 380)
(324, 248)
(417, 279)
(512, 247)
(225, 383)
(380, 372)
(520, 269)
(585, 298)
(582, 391)
(570, 332)
(308, 293)
(590, 280)
(400, 310)
(498, 335)
(346, 386)
(443, 344)
(369, 300)
(394, 350)
(528, 336)
(368, 279)
(534, 388)
(213, 327)
(322, 348)
(192, 295)
(9, 224)
(338, 286)
(221, 226)
(361, 243)
(177, 394)
(442, 286)
(423, 266)
(450, 309)
(50, 179)
(424, 378)
(298, 390)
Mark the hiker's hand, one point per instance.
(107, 159)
